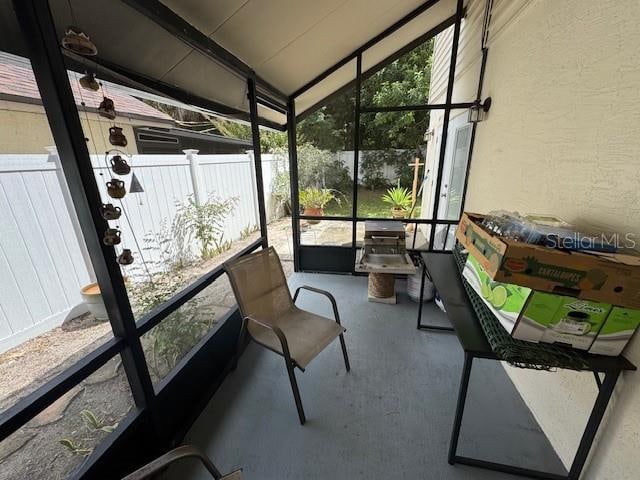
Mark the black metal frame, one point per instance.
(118, 74)
(293, 181)
(610, 366)
(194, 38)
(605, 390)
(148, 419)
(447, 107)
(152, 405)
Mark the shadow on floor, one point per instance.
(390, 418)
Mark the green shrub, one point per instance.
(321, 169)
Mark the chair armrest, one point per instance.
(321, 292)
(278, 332)
(162, 462)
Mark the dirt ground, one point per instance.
(36, 451)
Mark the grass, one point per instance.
(370, 205)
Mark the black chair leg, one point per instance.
(344, 353)
(296, 391)
(239, 344)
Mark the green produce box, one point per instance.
(576, 323)
(616, 332)
(537, 316)
(520, 310)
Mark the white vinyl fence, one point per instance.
(43, 262)
(388, 172)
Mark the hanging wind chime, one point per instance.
(77, 41)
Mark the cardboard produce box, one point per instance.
(607, 278)
(616, 332)
(537, 316)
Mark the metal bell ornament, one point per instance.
(125, 258)
(119, 165)
(110, 212)
(89, 82)
(107, 109)
(116, 137)
(116, 188)
(76, 41)
(111, 237)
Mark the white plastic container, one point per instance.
(413, 287)
(93, 299)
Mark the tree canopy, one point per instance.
(403, 82)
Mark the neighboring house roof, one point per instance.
(17, 80)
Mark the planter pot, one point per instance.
(93, 299)
(313, 212)
(397, 213)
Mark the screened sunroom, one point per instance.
(237, 238)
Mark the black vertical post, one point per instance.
(50, 72)
(462, 398)
(447, 114)
(293, 179)
(356, 160)
(595, 418)
(257, 157)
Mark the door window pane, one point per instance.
(454, 167)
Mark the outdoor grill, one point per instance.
(383, 256)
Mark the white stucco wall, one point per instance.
(563, 137)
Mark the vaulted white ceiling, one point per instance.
(287, 42)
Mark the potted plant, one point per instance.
(313, 200)
(400, 200)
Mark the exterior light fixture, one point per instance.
(478, 111)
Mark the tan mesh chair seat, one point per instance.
(307, 334)
(272, 319)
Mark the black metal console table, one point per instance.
(446, 277)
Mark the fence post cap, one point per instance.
(191, 151)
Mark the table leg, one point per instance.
(586, 442)
(462, 398)
(600, 407)
(421, 326)
(420, 299)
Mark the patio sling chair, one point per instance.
(151, 469)
(272, 318)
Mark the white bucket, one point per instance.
(93, 299)
(413, 287)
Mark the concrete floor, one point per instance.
(390, 418)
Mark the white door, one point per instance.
(453, 188)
